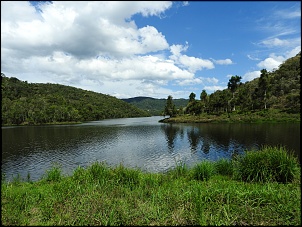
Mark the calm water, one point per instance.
(135, 142)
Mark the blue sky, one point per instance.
(153, 48)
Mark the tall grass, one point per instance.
(224, 167)
(269, 164)
(210, 193)
(203, 170)
(54, 174)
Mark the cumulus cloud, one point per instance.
(83, 29)
(193, 64)
(250, 75)
(272, 62)
(92, 43)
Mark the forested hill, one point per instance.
(276, 90)
(38, 103)
(155, 106)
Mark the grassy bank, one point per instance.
(259, 188)
(269, 115)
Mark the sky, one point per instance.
(155, 48)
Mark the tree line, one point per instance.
(279, 89)
(38, 103)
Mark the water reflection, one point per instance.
(134, 142)
(229, 140)
(170, 133)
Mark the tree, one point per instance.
(263, 85)
(233, 84)
(170, 107)
(192, 97)
(204, 98)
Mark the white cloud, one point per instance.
(288, 14)
(212, 89)
(193, 64)
(198, 80)
(91, 45)
(276, 42)
(293, 52)
(68, 27)
(274, 61)
(223, 62)
(229, 75)
(250, 76)
(253, 58)
(185, 3)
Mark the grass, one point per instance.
(210, 193)
(268, 115)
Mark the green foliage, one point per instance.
(233, 83)
(192, 97)
(170, 107)
(34, 103)
(269, 164)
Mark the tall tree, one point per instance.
(233, 84)
(170, 107)
(263, 84)
(192, 97)
(204, 98)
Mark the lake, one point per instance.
(142, 143)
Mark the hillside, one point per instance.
(274, 96)
(38, 103)
(154, 106)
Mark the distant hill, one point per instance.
(38, 103)
(154, 106)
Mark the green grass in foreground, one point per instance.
(210, 193)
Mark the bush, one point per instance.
(267, 165)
